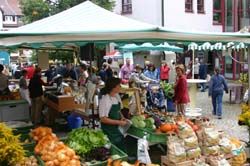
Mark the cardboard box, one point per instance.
(166, 162)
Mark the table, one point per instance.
(237, 89)
(193, 92)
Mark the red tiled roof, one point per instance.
(10, 7)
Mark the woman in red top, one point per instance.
(164, 72)
(181, 97)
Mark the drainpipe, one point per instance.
(162, 13)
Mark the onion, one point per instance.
(70, 152)
(56, 162)
(49, 163)
(61, 157)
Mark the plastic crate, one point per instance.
(22, 130)
(114, 151)
(151, 136)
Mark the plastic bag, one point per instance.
(176, 150)
(225, 145)
(185, 130)
(211, 137)
(211, 150)
(218, 161)
(193, 153)
(191, 142)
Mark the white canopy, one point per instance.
(88, 22)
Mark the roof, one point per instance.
(10, 7)
(85, 18)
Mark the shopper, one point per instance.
(164, 72)
(126, 71)
(181, 97)
(216, 88)
(152, 72)
(103, 72)
(36, 95)
(110, 112)
(70, 72)
(24, 91)
(196, 68)
(109, 70)
(138, 78)
(203, 74)
(83, 75)
(4, 89)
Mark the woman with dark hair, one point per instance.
(216, 87)
(110, 112)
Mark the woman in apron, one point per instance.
(110, 112)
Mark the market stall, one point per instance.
(154, 127)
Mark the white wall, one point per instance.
(1, 20)
(177, 18)
(148, 11)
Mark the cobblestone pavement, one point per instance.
(229, 121)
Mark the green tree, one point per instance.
(34, 10)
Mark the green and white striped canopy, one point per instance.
(150, 47)
(217, 46)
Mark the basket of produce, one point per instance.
(51, 150)
(146, 127)
(93, 146)
(12, 152)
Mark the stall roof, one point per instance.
(88, 22)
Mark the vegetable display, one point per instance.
(140, 121)
(11, 151)
(244, 117)
(99, 154)
(168, 90)
(83, 140)
(29, 161)
(52, 151)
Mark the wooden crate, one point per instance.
(166, 162)
(65, 103)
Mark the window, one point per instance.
(200, 6)
(243, 14)
(188, 5)
(217, 15)
(126, 6)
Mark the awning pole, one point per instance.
(193, 65)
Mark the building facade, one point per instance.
(191, 16)
(10, 14)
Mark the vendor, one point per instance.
(4, 90)
(110, 112)
(36, 95)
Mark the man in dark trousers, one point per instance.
(203, 74)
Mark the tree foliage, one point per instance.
(34, 10)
